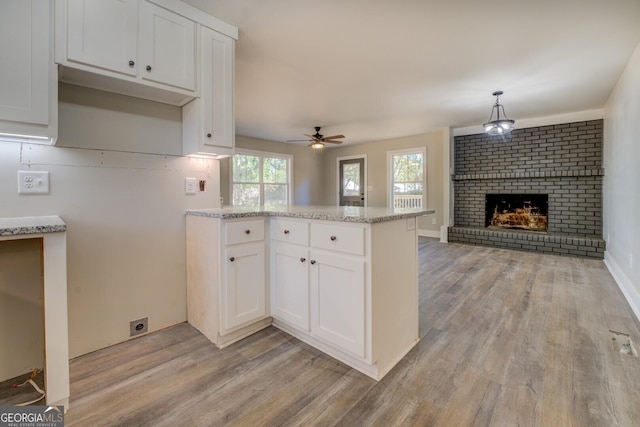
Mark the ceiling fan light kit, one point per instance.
(499, 126)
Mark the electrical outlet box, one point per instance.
(137, 327)
(32, 182)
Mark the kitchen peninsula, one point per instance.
(342, 279)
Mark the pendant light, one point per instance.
(501, 125)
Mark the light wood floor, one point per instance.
(507, 339)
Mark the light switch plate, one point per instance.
(32, 182)
(190, 186)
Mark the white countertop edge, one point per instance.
(31, 225)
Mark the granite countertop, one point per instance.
(328, 213)
(31, 225)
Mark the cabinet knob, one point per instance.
(131, 63)
(208, 135)
(286, 231)
(333, 237)
(148, 67)
(232, 259)
(303, 259)
(313, 261)
(247, 231)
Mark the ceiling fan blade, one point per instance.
(333, 142)
(333, 137)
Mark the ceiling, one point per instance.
(381, 69)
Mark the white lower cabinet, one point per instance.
(290, 284)
(226, 277)
(338, 300)
(243, 287)
(348, 289)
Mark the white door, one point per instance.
(243, 291)
(217, 87)
(338, 300)
(290, 285)
(168, 47)
(24, 73)
(103, 34)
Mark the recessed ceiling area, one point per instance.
(375, 69)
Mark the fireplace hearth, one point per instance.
(517, 211)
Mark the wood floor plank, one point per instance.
(507, 338)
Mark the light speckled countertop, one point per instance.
(31, 225)
(327, 213)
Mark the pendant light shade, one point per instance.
(502, 125)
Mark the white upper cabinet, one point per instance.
(28, 77)
(208, 122)
(103, 34)
(168, 47)
(133, 47)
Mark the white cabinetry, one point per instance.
(28, 76)
(226, 286)
(103, 34)
(290, 272)
(133, 47)
(338, 300)
(208, 121)
(361, 279)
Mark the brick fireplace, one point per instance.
(562, 163)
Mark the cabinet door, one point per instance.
(290, 284)
(217, 88)
(338, 300)
(168, 47)
(243, 290)
(103, 34)
(24, 74)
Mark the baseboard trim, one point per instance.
(429, 233)
(626, 286)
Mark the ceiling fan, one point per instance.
(318, 140)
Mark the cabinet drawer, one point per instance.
(338, 238)
(244, 231)
(290, 231)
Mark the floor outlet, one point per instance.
(622, 343)
(137, 327)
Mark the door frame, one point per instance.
(366, 186)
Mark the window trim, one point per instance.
(390, 154)
(262, 155)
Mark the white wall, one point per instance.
(622, 181)
(435, 143)
(117, 180)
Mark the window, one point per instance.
(407, 178)
(260, 178)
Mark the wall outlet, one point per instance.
(137, 327)
(433, 221)
(32, 182)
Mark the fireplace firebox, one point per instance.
(517, 211)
